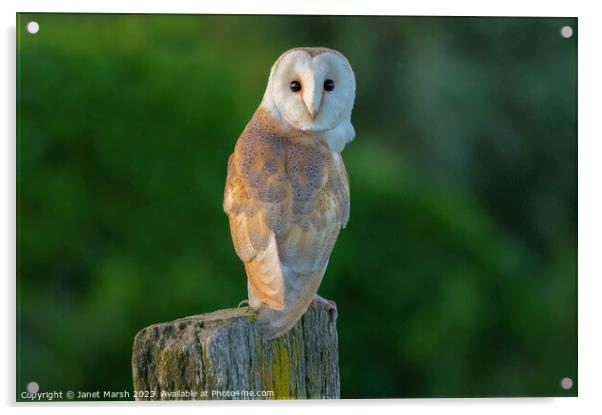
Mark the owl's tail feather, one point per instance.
(275, 323)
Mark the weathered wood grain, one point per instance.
(221, 356)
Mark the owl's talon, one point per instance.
(329, 305)
(243, 302)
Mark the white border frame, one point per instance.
(590, 199)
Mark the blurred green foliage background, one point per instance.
(457, 274)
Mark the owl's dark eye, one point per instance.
(328, 85)
(295, 86)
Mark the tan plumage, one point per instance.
(287, 197)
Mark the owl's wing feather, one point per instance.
(254, 242)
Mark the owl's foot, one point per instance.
(328, 305)
(243, 302)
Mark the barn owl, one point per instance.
(287, 190)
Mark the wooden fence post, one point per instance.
(221, 356)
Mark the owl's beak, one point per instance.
(312, 97)
(312, 111)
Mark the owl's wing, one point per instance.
(287, 203)
(320, 207)
(256, 200)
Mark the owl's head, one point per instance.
(312, 89)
